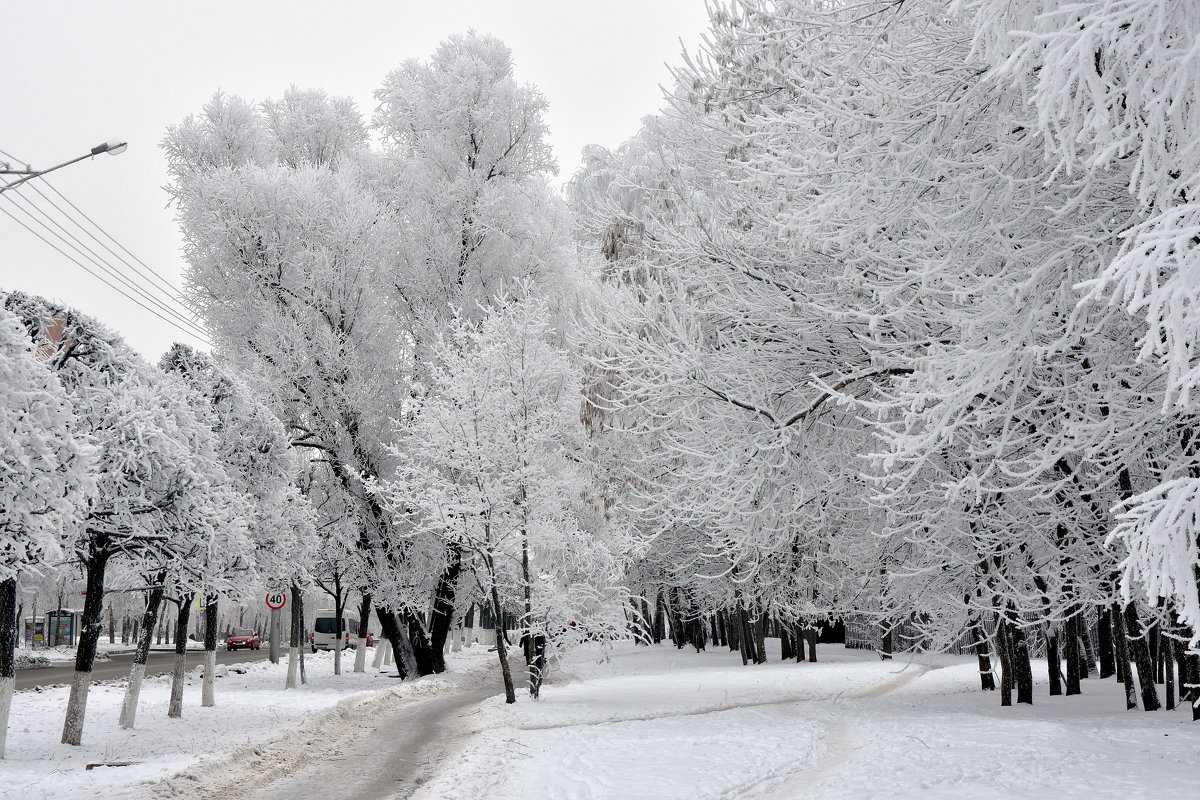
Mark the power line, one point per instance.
(143, 289)
(103, 280)
(171, 293)
(96, 259)
(170, 286)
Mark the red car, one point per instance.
(242, 637)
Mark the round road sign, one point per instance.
(276, 600)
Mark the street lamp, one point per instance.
(113, 148)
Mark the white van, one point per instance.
(324, 636)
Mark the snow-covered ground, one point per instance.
(252, 709)
(660, 723)
(635, 722)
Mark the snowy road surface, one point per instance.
(389, 757)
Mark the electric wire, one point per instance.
(171, 293)
(73, 242)
(105, 281)
(170, 286)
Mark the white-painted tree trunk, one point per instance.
(381, 647)
(132, 692)
(337, 658)
(175, 710)
(76, 708)
(210, 673)
(456, 634)
(7, 684)
(387, 656)
(293, 673)
(360, 656)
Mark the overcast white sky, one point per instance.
(75, 73)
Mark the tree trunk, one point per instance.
(8, 644)
(1023, 670)
(1053, 666)
(175, 709)
(133, 689)
(760, 639)
(1140, 650)
(1087, 650)
(510, 695)
(295, 636)
(647, 620)
(886, 648)
(536, 666)
(1168, 662)
(1071, 651)
(987, 681)
(339, 627)
(364, 624)
(731, 631)
(810, 634)
(1006, 666)
(419, 646)
(299, 601)
(1121, 656)
(1108, 659)
(390, 627)
(207, 698)
(745, 642)
(89, 637)
(675, 618)
(785, 643)
(443, 612)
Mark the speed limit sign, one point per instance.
(276, 600)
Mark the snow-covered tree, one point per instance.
(154, 461)
(45, 473)
(325, 270)
(487, 466)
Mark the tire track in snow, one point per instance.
(840, 747)
(872, 691)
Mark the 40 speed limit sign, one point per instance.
(276, 600)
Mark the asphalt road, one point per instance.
(117, 666)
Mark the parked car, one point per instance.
(242, 638)
(324, 636)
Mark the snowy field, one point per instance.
(636, 722)
(671, 724)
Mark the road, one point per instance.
(117, 666)
(392, 755)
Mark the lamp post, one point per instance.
(113, 148)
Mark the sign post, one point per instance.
(275, 602)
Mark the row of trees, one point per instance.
(168, 480)
(899, 321)
(886, 314)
